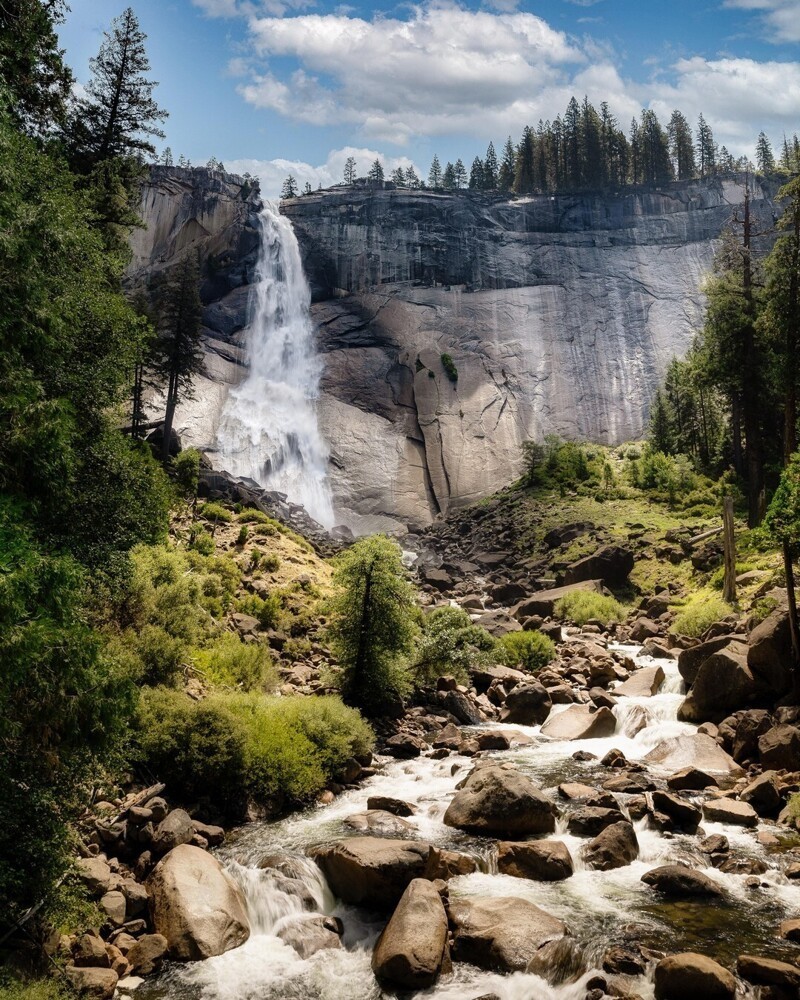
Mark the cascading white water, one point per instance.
(269, 430)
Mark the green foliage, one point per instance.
(63, 700)
(39, 989)
(229, 662)
(699, 613)
(562, 464)
(450, 644)
(186, 466)
(201, 541)
(279, 751)
(783, 516)
(582, 606)
(216, 512)
(529, 650)
(372, 625)
(270, 562)
(450, 368)
(670, 479)
(241, 538)
(268, 610)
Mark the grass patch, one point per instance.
(39, 989)
(582, 606)
(245, 666)
(216, 512)
(699, 613)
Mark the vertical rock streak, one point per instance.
(268, 430)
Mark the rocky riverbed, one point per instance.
(564, 859)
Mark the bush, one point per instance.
(187, 471)
(40, 989)
(699, 614)
(268, 610)
(450, 644)
(241, 538)
(450, 368)
(229, 662)
(582, 606)
(279, 751)
(564, 464)
(529, 650)
(201, 541)
(270, 562)
(216, 512)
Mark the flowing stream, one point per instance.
(600, 908)
(268, 430)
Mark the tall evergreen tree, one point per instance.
(660, 432)
(654, 146)
(449, 177)
(681, 146)
(349, 176)
(118, 116)
(505, 176)
(523, 169)
(591, 147)
(435, 173)
(572, 146)
(289, 189)
(399, 177)
(491, 169)
(412, 179)
(636, 153)
(376, 172)
(460, 173)
(765, 158)
(178, 351)
(706, 148)
(476, 175)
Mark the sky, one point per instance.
(296, 86)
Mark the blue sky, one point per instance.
(275, 86)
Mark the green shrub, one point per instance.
(216, 512)
(450, 644)
(699, 613)
(582, 606)
(278, 751)
(528, 650)
(266, 525)
(40, 989)
(201, 541)
(241, 538)
(450, 368)
(247, 666)
(268, 610)
(271, 562)
(187, 471)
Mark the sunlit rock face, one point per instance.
(560, 315)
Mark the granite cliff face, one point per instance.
(560, 315)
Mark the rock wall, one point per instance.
(560, 314)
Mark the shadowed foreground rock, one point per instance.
(370, 871)
(410, 951)
(502, 934)
(689, 975)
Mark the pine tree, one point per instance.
(350, 171)
(476, 175)
(591, 147)
(179, 355)
(118, 116)
(449, 177)
(706, 148)
(460, 172)
(681, 146)
(289, 189)
(166, 157)
(654, 146)
(399, 177)
(572, 146)
(412, 178)
(765, 158)
(491, 169)
(523, 169)
(435, 174)
(376, 172)
(505, 177)
(307, 189)
(635, 145)
(660, 432)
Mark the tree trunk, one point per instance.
(793, 625)
(359, 670)
(729, 538)
(169, 415)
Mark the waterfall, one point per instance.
(268, 430)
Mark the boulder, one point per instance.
(588, 821)
(698, 750)
(380, 823)
(497, 799)
(404, 746)
(311, 934)
(99, 984)
(543, 602)
(724, 683)
(748, 728)
(682, 812)
(614, 847)
(764, 795)
(503, 934)
(726, 810)
(679, 977)
(768, 972)
(90, 952)
(681, 882)
(371, 871)
(690, 779)
(690, 660)
(527, 705)
(387, 804)
(644, 629)
(543, 860)
(175, 829)
(612, 564)
(463, 708)
(579, 722)
(195, 905)
(448, 864)
(413, 945)
(642, 683)
(95, 875)
(779, 747)
(770, 652)
(147, 954)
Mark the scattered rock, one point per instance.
(779, 748)
(697, 751)
(643, 683)
(692, 975)
(404, 746)
(543, 860)
(312, 933)
(579, 723)
(99, 984)
(768, 972)
(496, 799)
(681, 882)
(448, 864)
(175, 829)
(370, 871)
(395, 806)
(146, 955)
(410, 951)
(502, 934)
(527, 705)
(614, 847)
(725, 810)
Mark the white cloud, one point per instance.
(272, 173)
(781, 17)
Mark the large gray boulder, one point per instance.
(614, 847)
(698, 750)
(527, 704)
(579, 722)
(681, 882)
(196, 905)
(543, 602)
(642, 683)
(503, 934)
(769, 654)
(497, 799)
(372, 871)
(612, 564)
(410, 951)
(543, 860)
